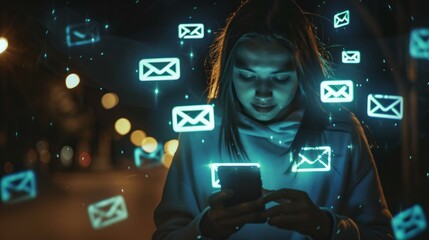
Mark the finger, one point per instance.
(282, 195)
(238, 210)
(243, 219)
(292, 221)
(216, 199)
(266, 191)
(282, 209)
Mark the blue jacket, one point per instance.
(337, 171)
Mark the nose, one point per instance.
(263, 92)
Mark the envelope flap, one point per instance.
(197, 30)
(159, 67)
(343, 16)
(113, 205)
(351, 54)
(200, 112)
(385, 103)
(421, 37)
(20, 181)
(338, 88)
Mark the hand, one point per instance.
(220, 222)
(296, 212)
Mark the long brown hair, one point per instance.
(269, 20)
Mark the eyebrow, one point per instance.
(287, 67)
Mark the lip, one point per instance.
(263, 108)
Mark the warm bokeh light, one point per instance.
(66, 156)
(122, 126)
(84, 159)
(109, 100)
(171, 146)
(30, 158)
(3, 44)
(45, 156)
(8, 167)
(137, 137)
(149, 144)
(42, 145)
(167, 159)
(72, 80)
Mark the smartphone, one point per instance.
(244, 180)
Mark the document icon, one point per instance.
(18, 187)
(385, 106)
(419, 43)
(313, 159)
(214, 173)
(191, 30)
(140, 154)
(193, 118)
(350, 56)
(107, 212)
(409, 223)
(341, 19)
(336, 91)
(154, 69)
(81, 34)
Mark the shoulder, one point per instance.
(345, 121)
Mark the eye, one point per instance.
(281, 78)
(246, 76)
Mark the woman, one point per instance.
(266, 67)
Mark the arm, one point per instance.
(367, 214)
(177, 216)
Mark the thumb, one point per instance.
(216, 199)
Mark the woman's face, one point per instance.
(265, 79)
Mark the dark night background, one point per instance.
(38, 112)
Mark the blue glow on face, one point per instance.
(81, 34)
(183, 121)
(385, 106)
(156, 69)
(342, 19)
(336, 91)
(214, 167)
(107, 212)
(18, 187)
(312, 159)
(409, 223)
(419, 43)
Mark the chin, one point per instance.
(264, 118)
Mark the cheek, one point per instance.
(243, 91)
(285, 94)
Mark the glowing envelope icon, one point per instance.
(419, 43)
(18, 187)
(191, 30)
(409, 223)
(336, 91)
(342, 19)
(81, 34)
(107, 212)
(156, 69)
(140, 154)
(313, 159)
(214, 173)
(193, 118)
(385, 106)
(350, 56)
